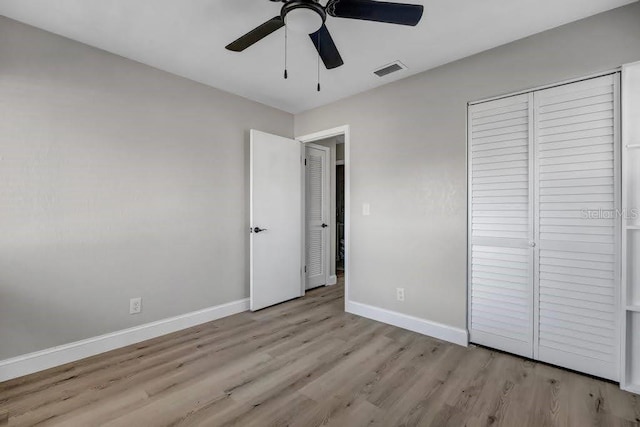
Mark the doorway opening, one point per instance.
(335, 142)
(339, 209)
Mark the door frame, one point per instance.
(324, 134)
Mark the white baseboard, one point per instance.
(332, 280)
(631, 388)
(56, 356)
(415, 324)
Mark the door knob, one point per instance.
(532, 244)
(324, 225)
(259, 230)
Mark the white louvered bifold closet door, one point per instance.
(544, 226)
(501, 225)
(577, 194)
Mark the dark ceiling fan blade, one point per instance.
(370, 10)
(256, 34)
(326, 48)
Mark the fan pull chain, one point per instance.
(285, 53)
(318, 61)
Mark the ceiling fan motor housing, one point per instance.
(305, 16)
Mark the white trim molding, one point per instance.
(332, 280)
(631, 388)
(547, 86)
(63, 354)
(415, 324)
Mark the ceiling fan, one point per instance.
(309, 16)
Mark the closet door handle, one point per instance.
(532, 244)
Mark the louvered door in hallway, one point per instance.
(544, 183)
(317, 215)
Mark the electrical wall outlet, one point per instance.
(366, 209)
(400, 294)
(135, 305)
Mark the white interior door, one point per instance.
(317, 211)
(275, 219)
(501, 225)
(577, 226)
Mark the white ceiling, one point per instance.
(188, 37)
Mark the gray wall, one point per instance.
(118, 181)
(408, 158)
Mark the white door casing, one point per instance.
(630, 269)
(276, 206)
(345, 131)
(317, 211)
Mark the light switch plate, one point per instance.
(366, 209)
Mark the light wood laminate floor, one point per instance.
(307, 363)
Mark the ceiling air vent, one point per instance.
(390, 68)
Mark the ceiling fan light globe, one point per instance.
(303, 21)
